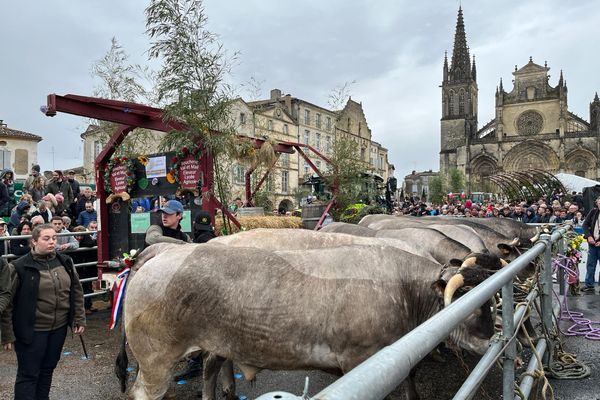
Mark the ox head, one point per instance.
(475, 331)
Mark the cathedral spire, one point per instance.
(596, 97)
(561, 80)
(501, 88)
(474, 70)
(445, 66)
(460, 69)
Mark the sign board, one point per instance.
(156, 167)
(140, 222)
(189, 173)
(186, 221)
(118, 178)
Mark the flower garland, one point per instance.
(129, 167)
(173, 174)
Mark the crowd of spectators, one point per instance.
(555, 209)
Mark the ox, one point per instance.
(326, 309)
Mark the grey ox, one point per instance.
(327, 309)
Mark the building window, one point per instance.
(318, 165)
(242, 118)
(270, 124)
(269, 183)
(328, 123)
(328, 144)
(349, 124)
(21, 161)
(285, 129)
(238, 174)
(97, 148)
(5, 159)
(306, 168)
(371, 161)
(307, 137)
(318, 140)
(362, 154)
(285, 160)
(318, 121)
(306, 117)
(451, 103)
(461, 102)
(285, 181)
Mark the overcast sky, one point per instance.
(393, 49)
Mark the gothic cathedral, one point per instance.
(532, 128)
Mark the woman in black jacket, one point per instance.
(20, 247)
(46, 298)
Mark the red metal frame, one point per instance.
(132, 115)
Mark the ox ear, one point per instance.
(439, 287)
(505, 249)
(455, 262)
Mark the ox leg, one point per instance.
(411, 386)
(227, 381)
(210, 373)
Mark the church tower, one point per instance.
(459, 103)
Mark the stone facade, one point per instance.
(532, 128)
(417, 183)
(18, 151)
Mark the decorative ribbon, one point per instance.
(117, 306)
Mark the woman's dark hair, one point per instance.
(21, 225)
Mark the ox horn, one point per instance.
(514, 243)
(469, 262)
(536, 236)
(503, 262)
(456, 282)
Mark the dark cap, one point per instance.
(202, 220)
(172, 207)
(71, 172)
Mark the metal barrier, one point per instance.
(4, 241)
(379, 375)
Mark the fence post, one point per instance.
(508, 328)
(561, 272)
(546, 295)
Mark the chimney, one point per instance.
(275, 94)
(288, 103)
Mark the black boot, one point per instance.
(193, 368)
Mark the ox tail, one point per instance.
(122, 361)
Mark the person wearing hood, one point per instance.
(20, 247)
(8, 179)
(17, 215)
(531, 216)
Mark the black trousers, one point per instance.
(36, 363)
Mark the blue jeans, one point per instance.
(592, 261)
(36, 363)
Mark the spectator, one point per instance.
(61, 208)
(33, 175)
(591, 231)
(88, 215)
(4, 200)
(36, 319)
(85, 196)
(531, 216)
(63, 242)
(58, 184)
(17, 216)
(37, 220)
(76, 193)
(37, 190)
(169, 230)
(67, 223)
(578, 220)
(43, 211)
(203, 230)
(20, 247)
(93, 226)
(4, 244)
(7, 177)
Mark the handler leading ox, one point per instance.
(314, 309)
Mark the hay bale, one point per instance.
(273, 222)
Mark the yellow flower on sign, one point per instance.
(143, 160)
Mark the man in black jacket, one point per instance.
(591, 231)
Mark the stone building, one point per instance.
(532, 128)
(287, 119)
(416, 184)
(18, 151)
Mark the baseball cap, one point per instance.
(172, 207)
(2, 221)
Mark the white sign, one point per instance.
(156, 167)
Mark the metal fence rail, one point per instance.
(4, 242)
(379, 375)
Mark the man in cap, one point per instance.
(35, 172)
(591, 231)
(169, 230)
(203, 230)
